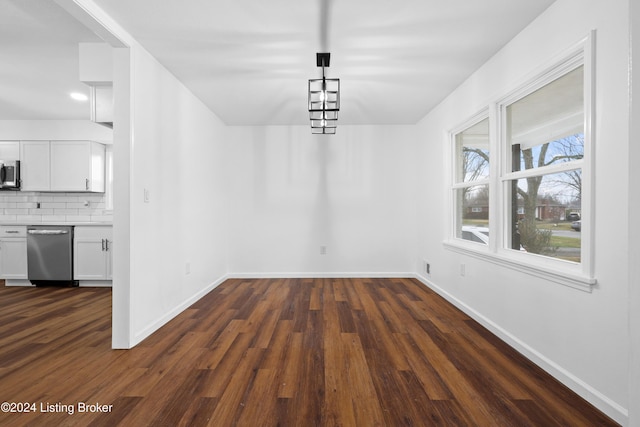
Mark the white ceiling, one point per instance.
(250, 60)
(39, 61)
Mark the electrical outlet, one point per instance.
(463, 269)
(323, 250)
(147, 195)
(427, 268)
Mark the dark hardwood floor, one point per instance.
(288, 352)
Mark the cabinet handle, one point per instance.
(106, 245)
(11, 231)
(86, 183)
(102, 244)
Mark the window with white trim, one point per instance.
(471, 182)
(539, 178)
(544, 133)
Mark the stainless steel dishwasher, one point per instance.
(50, 255)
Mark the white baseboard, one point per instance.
(323, 275)
(150, 329)
(95, 283)
(584, 390)
(17, 282)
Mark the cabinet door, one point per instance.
(92, 253)
(97, 161)
(13, 258)
(34, 166)
(70, 165)
(9, 150)
(90, 260)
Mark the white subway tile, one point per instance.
(75, 205)
(65, 212)
(29, 218)
(41, 211)
(53, 205)
(53, 218)
(16, 211)
(102, 218)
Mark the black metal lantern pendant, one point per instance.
(324, 99)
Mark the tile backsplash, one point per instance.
(20, 206)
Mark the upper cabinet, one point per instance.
(9, 150)
(35, 166)
(101, 100)
(96, 70)
(63, 166)
(77, 166)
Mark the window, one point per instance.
(545, 136)
(533, 195)
(471, 184)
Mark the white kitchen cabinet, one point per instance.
(35, 165)
(13, 252)
(92, 258)
(101, 100)
(62, 166)
(77, 166)
(9, 150)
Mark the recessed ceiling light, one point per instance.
(79, 96)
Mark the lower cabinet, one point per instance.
(92, 247)
(13, 252)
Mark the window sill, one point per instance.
(565, 278)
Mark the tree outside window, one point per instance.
(545, 130)
(471, 186)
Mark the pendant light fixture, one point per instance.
(324, 99)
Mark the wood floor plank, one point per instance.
(260, 405)
(362, 392)
(290, 376)
(338, 407)
(231, 401)
(276, 352)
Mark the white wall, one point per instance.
(634, 232)
(177, 156)
(291, 192)
(580, 337)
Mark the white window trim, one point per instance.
(578, 276)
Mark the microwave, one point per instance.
(9, 174)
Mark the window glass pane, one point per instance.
(559, 151)
(547, 126)
(472, 153)
(545, 215)
(473, 213)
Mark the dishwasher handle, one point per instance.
(47, 232)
